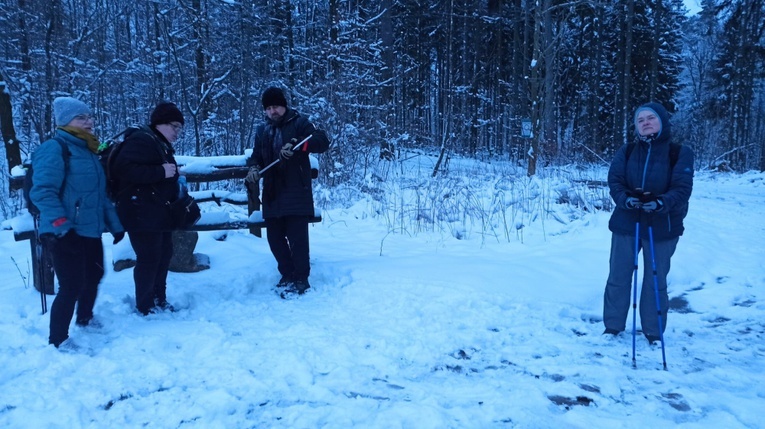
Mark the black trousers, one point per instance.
(153, 251)
(288, 239)
(79, 266)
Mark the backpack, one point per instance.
(29, 179)
(107, 154)
(674, 154)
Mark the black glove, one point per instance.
(632, 203)
(118, 236)
(653, 205)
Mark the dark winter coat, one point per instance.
(144, 193)
(84, 202)
(648, 168)
(287, 187)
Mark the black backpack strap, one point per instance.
(674, 154)
(65, 154)
(628, 151)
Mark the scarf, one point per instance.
(90, 139)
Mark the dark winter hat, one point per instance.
(274, 97)
(165, 113)
(66, 108)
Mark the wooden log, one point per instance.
(216, 226)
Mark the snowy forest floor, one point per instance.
(408, 331)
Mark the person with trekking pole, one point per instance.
(651, 182)
(69, 190)
(280, 156)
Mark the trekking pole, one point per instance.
(656, 291)
(279, 158)
(40, 275)
(634, 291)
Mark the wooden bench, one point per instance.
(196, 170)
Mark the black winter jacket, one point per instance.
(648, 168)
(144, 192)
(287, 187)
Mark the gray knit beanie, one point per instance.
(66, 108)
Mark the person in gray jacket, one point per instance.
(650, 181)
(74, 212)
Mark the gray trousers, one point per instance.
(616, 300)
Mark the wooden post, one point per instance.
(253, 203)
(42, 267)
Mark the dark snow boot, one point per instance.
(164, 305)
(285, 281)
(298, 287)
(91, 323)
(652, 339)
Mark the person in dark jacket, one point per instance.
(148, 182)
(648, 191)
(287, 192)
(74, 212)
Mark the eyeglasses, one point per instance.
(84, 118)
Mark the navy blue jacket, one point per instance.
(287, 187)
(84, 203)
(648, 168)
(144, 192)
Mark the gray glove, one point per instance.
(654, 205)
(253, 175)
(632, 203)
(286, 152)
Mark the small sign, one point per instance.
(526, 128)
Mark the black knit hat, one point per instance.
(273, 96)
(165, 113)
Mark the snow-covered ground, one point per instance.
(408, 331)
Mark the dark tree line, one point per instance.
(441, 76)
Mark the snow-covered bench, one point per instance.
(196, 170)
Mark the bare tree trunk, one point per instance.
(200, 66)
(549, 118)
(50, 77)
(387, 150)
(624, 104)
(445, 93)
(247, 26)
(653, 79)
(12, 151)
(535, 85)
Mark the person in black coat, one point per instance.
(148, 182)
(287, 192)
(650, 188)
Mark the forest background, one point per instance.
(538, 83)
